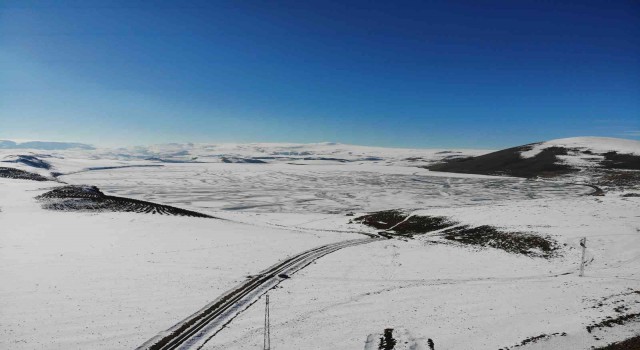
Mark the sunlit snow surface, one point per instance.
(72, 280)
(313, 188)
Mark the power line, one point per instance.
(583, 244)
(267, 326)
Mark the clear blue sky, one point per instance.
(389, 73)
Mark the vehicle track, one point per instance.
(194, 331)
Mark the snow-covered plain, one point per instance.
(465, 298)
(113, 280)
(312, 188)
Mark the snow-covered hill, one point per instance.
(588, 145)
(579, 156)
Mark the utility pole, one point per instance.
(583, 244)
(267, 330)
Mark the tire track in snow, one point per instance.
(197, 329)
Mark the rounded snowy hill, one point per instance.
(551, 158)
(589, 145)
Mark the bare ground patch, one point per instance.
(629, 344)
(532, 340)
(613, 321)
(12, 173)
(400, 224)
(619, 179)
(90, 198)
(513, 242)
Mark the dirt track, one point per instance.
(198, 328)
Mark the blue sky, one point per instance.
(484, 74)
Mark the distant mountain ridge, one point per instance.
(44, 145)
(263, 153)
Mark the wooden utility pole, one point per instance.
(267, 330)
(583, 244)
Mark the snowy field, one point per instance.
(312, 188)
(87, 280)
(113, 280)
(466, 298)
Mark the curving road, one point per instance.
(194, 331)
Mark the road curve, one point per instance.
(194, 331)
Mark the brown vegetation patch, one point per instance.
(399, 223)
(513, 242)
